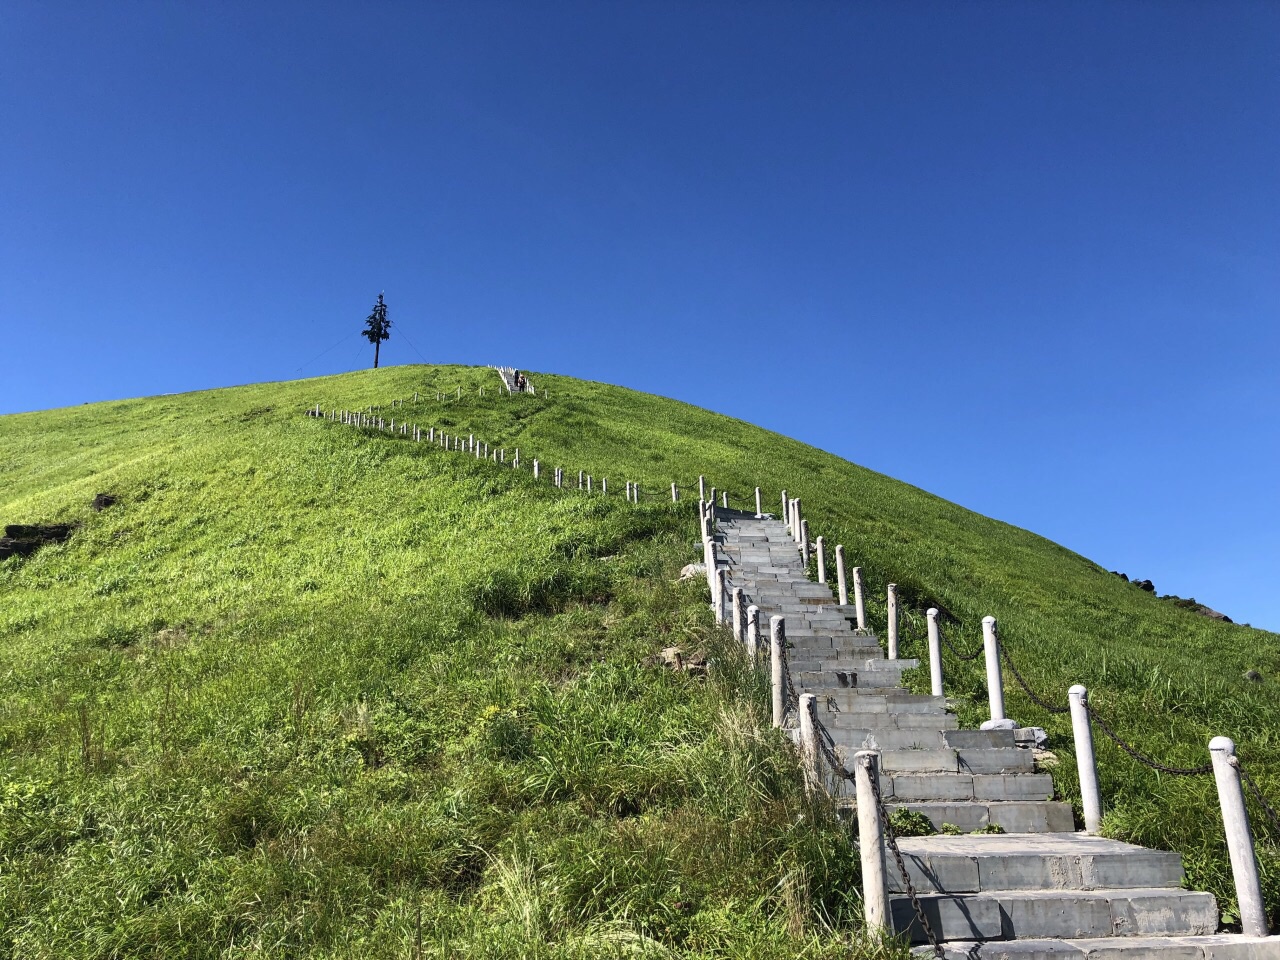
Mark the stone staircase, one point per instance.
(1037, 890)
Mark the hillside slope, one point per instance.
(306, 691)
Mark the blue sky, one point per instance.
(1024, 256)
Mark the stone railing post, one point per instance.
(786, 510)
(809, 755)
(892, 613)
(737, 598)
(858, 605)
(759, 508)
(711, 500)
(722, 592)
(702, 487)
(797, 520)
(675, 493)
(1086, 764)
(995, 681)
(842, 585)
(875, 882)
(777, 645)
(822, 560)
(753, 632)
(804, 543)
(724, 499)
(1235, 820)
(935, 652)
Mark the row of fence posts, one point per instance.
(481, 449)
(728, 606)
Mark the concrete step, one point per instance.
(1032, 914)
(884, 720)
(1220, 946)
(1050, 861)
(966, 786)
(1013, 816)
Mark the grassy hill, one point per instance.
(305, 691)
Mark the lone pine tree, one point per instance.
(377, 328)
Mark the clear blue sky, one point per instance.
(1023, 255)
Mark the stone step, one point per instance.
(885, 720)
(965, 786)
(1032, 914)
(1013, 816)
(1220, 946)
(1051, 861)
(893, 698)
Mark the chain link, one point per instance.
(827, 747)
(1142, 758)
(1042, 704)
(1257, 793)
(960, 656)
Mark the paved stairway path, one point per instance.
(1039, 889)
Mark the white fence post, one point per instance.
(675, 493)
(809, 755)
(804, 543)
(724, 499)
(797, 520)
(995, 682)
(737, 597)
(753, 631)
(935, 652)
(875, 883)
(822, 561)
(722, 590)
(702, 487)
(535, 468)
(1235, 820)
(1086, 764)
(892, 610)
(786, 510)
(759, 508)
(841, 584)
(858, 605)
(777, 645)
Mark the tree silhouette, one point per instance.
(377, 328)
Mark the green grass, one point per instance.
(307, 691)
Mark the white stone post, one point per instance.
(722, 592)
(535, 468)
(1086, 764)
(859, 608)
(709, 561)
(579, 479)
(711, 500)
(635, 492)
(1235, 818)
(604, 486)
(777, 647)
(675, 493)
(892, 631)
(797, 520)
(753, 631)
(995, 682)
(759, 506)
(588, 483)
(515, 461)
(724, 499)
(628, 491)
(935, 653)
(841, 584)
(702, 487)
(804, 543)
(737, 598)
(822, 561)
(809, 755)
(875, 883)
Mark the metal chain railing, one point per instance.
(1142, 758)
(1042, 704)
(960, 656)
(1257, 795)
(827, 748)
